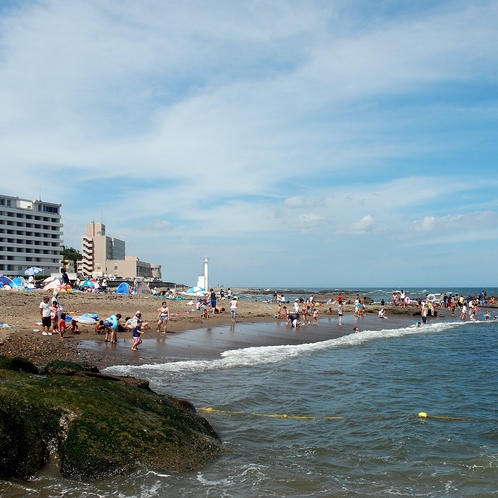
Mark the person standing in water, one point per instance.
(137, 333)
(163, 317)
(233, 309)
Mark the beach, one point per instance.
(189, 335)
(313, 411)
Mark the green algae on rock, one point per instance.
(98, 426)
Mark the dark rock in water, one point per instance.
(17, 364)
(97, 425)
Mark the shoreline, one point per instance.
(189, 336)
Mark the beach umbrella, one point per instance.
(55, 284)
(192, 290)
(6, 280)
(50, 279)
(34, 270)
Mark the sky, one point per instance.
(332, 144)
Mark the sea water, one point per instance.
(334, 418)
(377, 295)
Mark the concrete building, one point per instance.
(130, 267)
(97, 249)
(30, 235)
(106, 256)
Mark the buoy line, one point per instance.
(210, 410)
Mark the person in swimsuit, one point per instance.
(163, 317)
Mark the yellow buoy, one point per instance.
(423, 415)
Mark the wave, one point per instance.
(261, 355)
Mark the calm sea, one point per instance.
(375, 294)
(333, 418)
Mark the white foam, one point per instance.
(273, 354)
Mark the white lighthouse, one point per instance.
(206, 280)
(203, 280)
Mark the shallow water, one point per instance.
(362, 394)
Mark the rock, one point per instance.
(95, 425)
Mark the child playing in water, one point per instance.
(100, 327)
(62, 326)
(137, 332)
(74, 327)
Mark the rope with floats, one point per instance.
(422, 415)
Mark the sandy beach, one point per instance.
(189, 335)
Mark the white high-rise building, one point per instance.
(30, 235)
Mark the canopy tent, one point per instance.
(6, 280)
(143, 288)
(123, 288)
(20, 282)
(88, 283)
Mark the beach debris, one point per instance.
(4, 325)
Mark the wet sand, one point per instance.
(211, 342)
(189, 335)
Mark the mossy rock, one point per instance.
(61, 367)
(98, 426)
(17, 364)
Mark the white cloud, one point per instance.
(364, 225)
(425, 225)
(159, 226)
(244, 122)
(458, 222)
(304, 221)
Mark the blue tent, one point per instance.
(123, 288)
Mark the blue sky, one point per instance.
(340, 143)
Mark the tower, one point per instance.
(206, 281)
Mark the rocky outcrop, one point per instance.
(95, 425)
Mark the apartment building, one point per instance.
(106, 256)
(30, 235)
(97, 249)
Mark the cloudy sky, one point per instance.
(334, 143)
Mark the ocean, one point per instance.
(338, 417)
